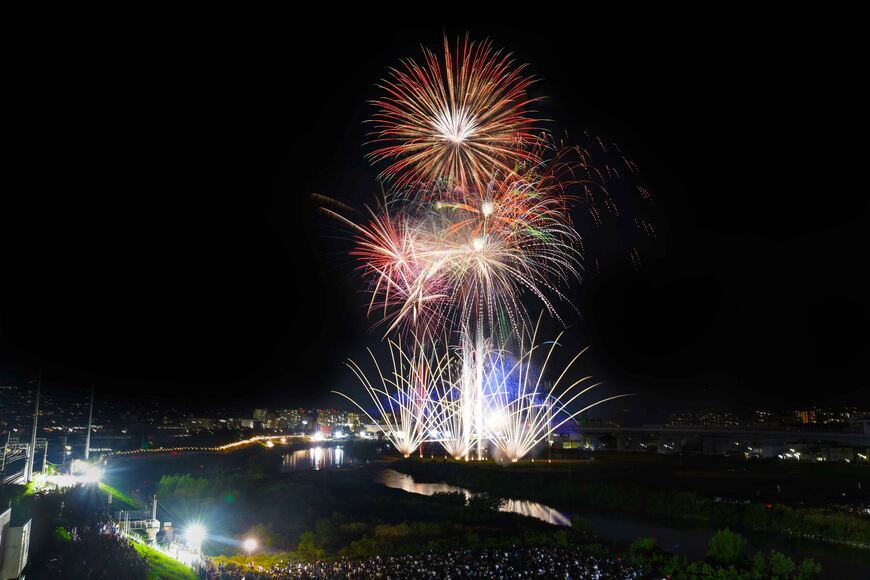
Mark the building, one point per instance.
(860, 424)
(806, 417)
(354, 420)
(327, 419)
(14, 546)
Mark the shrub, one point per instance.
(726, 546)
(781, 566)
(485, 502)
(808, 569)
(643, 545)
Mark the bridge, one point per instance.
(264, 439)
(718, 440)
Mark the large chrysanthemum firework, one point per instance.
(458, 119)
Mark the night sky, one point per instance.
(159, 238)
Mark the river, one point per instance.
(837, 561)
(841, 562)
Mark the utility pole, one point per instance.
(5, 451)
(90, 419)
(28, 475)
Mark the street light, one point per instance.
(250, 545)
(195, 534)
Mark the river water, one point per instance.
(317, 458)
(837, 561)
(394, 479)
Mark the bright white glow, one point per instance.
(454, 126)
(250, 545)
(318, 436)
(478, 243)
(195, 534)
(269, 444)
(487, 208)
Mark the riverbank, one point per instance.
(310, 509)
(575, 491)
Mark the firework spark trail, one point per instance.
(522, 412)
(456, 119)
(448, 422)
(403, 395)
(429, 395)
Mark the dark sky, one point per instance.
(158, 236)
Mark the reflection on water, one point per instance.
(316, 458)
(394, 479)
(837, 561)
(534, 509)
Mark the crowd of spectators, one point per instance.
(98, 553)
(516, 562)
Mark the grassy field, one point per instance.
(162, 567)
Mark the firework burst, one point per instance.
(452, 255)
(456, 119)
(477, 218)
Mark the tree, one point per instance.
(808, 569)
(485, 502)
(759, 566)
(781, 566)
(307, 551)
(726, 546)
(643, 545)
